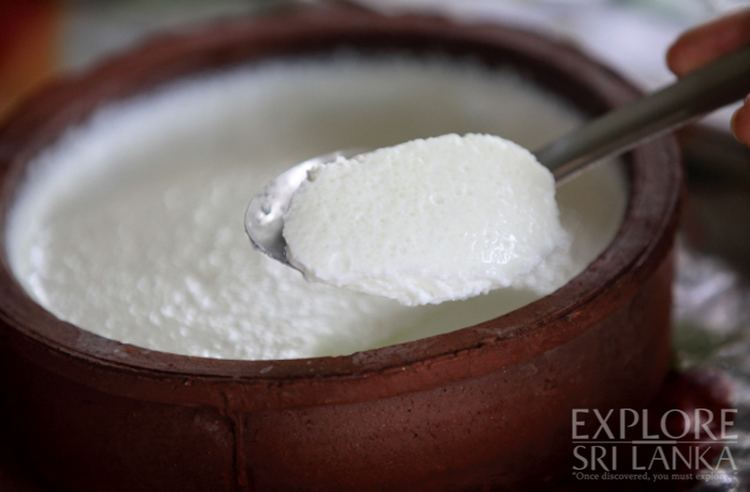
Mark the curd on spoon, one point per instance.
(426, 221)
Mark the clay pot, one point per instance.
(483, 406)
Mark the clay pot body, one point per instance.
(483, 406)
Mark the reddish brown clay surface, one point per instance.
(485, 406)
(686, 391)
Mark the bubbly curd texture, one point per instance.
(131, 225)
(426, 221)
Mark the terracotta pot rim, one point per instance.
(650, 216)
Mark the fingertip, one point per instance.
(675, 58)
(690, 50)
(741, 124)
(700, 45)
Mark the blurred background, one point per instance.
(44, 39)
(41, 38)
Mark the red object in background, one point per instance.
(28, 46)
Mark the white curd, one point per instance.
(131, 225)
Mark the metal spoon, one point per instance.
(722, 82)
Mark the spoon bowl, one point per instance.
(264, 217)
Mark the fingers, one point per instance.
(705, 43)
(741, 123)
(698, 46)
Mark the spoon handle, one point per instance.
(717, 84)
